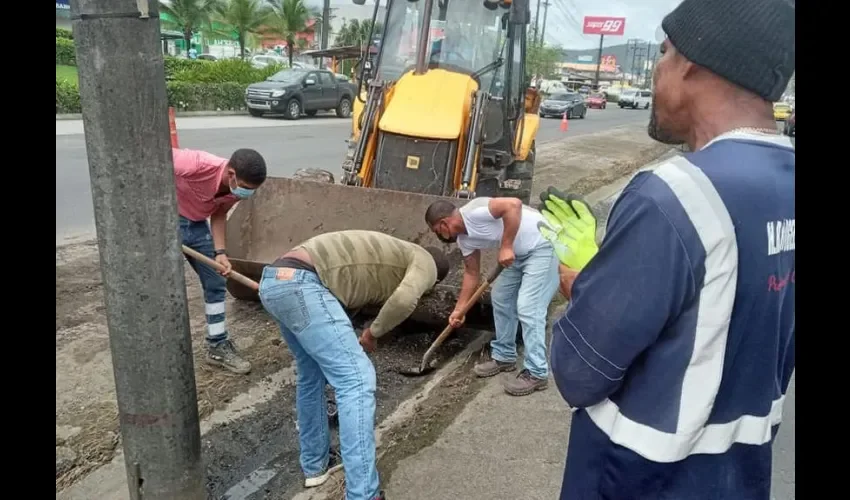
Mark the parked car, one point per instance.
(790, 124)
(568, 103)
(295, 91)
(781, 111)
(596, 101)
(207, 57)
(265, 60)
(635, 99)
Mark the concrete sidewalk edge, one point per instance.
(238, 112)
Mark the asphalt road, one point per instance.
(287, 146)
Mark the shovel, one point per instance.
(235, 276)
(425, 367)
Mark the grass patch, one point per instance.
(67, 72)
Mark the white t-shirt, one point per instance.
(484, 231)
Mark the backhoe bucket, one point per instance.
(285, 212)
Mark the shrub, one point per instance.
(63, 33)
(65, 54)
(67, 97)
(177, 64)
(189, 96)
(226, 70)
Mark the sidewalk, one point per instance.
(499, 447)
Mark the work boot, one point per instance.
(224, 355)
(334, 464)
(524, 384)
(490, 367)
(381, 496)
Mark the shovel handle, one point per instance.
(465, 309)
(218, 267)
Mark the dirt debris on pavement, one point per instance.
(87, 434)
(586, 163)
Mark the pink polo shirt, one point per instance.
(197, 175)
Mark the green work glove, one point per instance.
(570, 226)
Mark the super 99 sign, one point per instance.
(600, 25)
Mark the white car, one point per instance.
(266, 60)
(635, 99)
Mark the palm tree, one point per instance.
(245, 17)
(356, 32)
(287, 19)
(190, 16)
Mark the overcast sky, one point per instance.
(563, 24)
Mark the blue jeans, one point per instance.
(522, 293)
(322, 340)
(197, 236)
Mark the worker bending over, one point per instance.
(207, 188)
(677, 347)
(307, 291)
(521, 293)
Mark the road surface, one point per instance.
(287, 146)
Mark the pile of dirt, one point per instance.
(583, 164)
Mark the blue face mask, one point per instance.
(241, 192)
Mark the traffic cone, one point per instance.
(172, 127)
(564, 123)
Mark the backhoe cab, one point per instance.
(442, 110)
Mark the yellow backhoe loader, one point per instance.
(444, 110)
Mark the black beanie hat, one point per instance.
(748, 42)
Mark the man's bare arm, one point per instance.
(471, 276)
(218, 228)
(510, 211)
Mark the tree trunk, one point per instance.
(187, 37)
(242, 45)
(290, 49)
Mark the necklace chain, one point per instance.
(756, 130)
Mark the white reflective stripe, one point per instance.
(664, 447)
(213, 309)
(716, 232)
(216, 329)
(702, 377)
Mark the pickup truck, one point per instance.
(294, 91)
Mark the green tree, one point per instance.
(190, 16)
(246, 17)
(356, 32)
(542, 60)
(287, 19)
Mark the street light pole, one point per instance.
(125, 119)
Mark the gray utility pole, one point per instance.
(543, 31)
(632, 44)
(650, 63)
(598, 62)
(326, 27)
(125, 118)
(536, 24)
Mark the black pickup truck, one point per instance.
(292, 92)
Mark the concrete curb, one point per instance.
(79, 116)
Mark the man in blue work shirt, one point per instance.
(677, 347)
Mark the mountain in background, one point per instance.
(622, 52)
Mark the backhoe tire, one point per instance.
(255, 112)
(293, 110)
(343, 109)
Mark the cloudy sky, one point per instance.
(564, 22)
